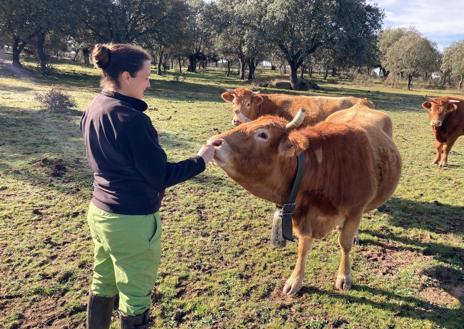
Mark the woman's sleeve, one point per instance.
(151, 160)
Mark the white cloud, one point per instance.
(440, 21)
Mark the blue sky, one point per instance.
(441, 21)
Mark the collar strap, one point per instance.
(289, 207)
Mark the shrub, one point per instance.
(56, 100)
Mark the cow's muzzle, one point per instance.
(435, 123)
(221, 155)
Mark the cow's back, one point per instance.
(318, 108)
(385, 155)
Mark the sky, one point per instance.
(441, 21)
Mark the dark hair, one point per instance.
(115, 58)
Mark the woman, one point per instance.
(131, 172)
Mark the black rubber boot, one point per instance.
(99, 311)
(135, 322)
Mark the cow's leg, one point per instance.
(439, 147)
(295, 281)
(350, 229)
(446, 150)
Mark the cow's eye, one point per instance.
(248, 104)
(263, 136)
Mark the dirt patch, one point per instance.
(441, 285)
(55, 167)
(387, 258)
(46, 314)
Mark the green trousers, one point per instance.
(126, 258)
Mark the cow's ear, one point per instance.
(293, 144)
(227, 96)
(427, 105)
(452, 106)
(257, 99)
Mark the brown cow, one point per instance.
(446, 115)
(352, 166)
(249, 105)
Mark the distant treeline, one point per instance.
(303, 35)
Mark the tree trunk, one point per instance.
(180, 64)
(294, 75)
(192, 67)
(443, 80)
(251, 70)
(310, 72)
(334, 71)
(385, 73)
(86, 55)
(75, 55)
(303, 68)
(242, 69)
(228, 69)
(160, 61)
(41, 55)
(460, 82)
(409, 81)
(326, 73)
(18, 47)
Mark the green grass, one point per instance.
(218, 268)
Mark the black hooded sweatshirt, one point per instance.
(129, 166)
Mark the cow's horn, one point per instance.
(454, 101)
(229, 90)
(297, 120)
(256, 92)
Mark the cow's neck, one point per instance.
(267, 107)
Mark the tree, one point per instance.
(412, 55)
(240, 34)
(299, 27)
(16, 25)
(36, 21)
(385, 41)
(199, 31)
(453, 61)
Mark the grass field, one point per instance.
(218, 268)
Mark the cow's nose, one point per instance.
(236, 122)
(217, 142)
(435, 123)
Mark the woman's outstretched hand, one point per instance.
(207, 153)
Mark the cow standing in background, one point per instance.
(446, 115)
(351, 166)
(249, 105)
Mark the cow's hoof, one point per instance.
(343, 282)
(435, 162)
(356, 240)
(292, 286)
(442, 164)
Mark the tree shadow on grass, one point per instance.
(444, 253)
(185, 91)
(407, 306)
(14, 89)
(431, 216)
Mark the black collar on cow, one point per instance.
(288, 208)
